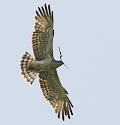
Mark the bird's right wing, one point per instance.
(42, 38)
(54, 92)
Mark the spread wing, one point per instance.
(55, 93)
(42, 38)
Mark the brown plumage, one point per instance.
(45, 65)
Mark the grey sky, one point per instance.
(88, 33)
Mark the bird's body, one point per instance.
(45, 65)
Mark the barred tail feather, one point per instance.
(25, 62)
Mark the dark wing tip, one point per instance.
(37, 13)
(59, 115)
(71, 104)
(45, 11)
(49, 10)
(52, 16)
(40, 11)
(45, 4)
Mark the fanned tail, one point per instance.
(25, 62)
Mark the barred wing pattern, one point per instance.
(55, 93)
(45, 65)
(42, 38)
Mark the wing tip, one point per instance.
(45, 11)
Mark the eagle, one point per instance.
(44, 65)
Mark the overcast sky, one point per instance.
(88, 33)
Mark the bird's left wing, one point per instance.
(54, 92)
(42, 38)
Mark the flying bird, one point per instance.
(44, 65)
